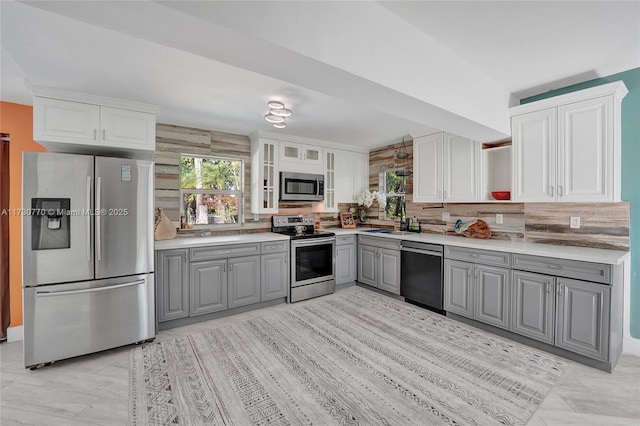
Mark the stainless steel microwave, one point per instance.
(301, 187)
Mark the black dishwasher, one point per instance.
(421, 281)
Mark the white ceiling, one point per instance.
(360, 73)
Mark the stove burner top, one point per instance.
(297, 227)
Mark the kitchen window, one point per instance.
(211, 190)
(394, 193)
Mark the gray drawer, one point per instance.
(218, 252)
(342, 240)
(275, 247)
(587, 271)
(486, 257)
(381, 242)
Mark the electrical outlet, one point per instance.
(575, 222)
(499, 218)
(446, 216)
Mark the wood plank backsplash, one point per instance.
(603, 225)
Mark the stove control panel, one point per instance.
(281, 221)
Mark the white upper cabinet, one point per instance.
(265, 179)
(446, 168)
(330, 203)
(352, 175)
(297, 157)
(55, 120)
(534, 156)
(62, 122)
(128, 129)
(427, 168)
(568, 148)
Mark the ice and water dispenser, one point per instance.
(50, 223)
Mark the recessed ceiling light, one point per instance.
(280, 125)
(273, 118)
(275, 105)
(282, 112)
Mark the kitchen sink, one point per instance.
(400, 232)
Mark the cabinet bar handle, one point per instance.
(104, 135)
(95, 134)
(551, 190)
(560, 191)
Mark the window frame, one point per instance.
(240, 193)
(387, 195)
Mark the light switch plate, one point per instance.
(446, 216)
(499, 218)
(575, 222)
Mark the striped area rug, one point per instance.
(355, 357)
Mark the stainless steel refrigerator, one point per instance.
(87, 254)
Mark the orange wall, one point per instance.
(17, 121)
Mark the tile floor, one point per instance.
(93, 390)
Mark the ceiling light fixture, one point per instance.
(275, 105)
(277, 114)
(274, 118)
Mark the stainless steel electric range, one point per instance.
(312, 254)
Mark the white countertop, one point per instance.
(586, 254)
(187, 242)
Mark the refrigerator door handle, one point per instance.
(98, 219)
(88, 219)
(87, 290)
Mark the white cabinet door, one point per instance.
(56, 120)
(265, 182)
(330, 175)
(297, 157)
(427, 168)
(123, 128)
(361, 173)
(461, 167)
(586, 151)
(534, 156)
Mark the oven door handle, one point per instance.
(427, 252)
(312, 242)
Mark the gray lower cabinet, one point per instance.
(480, 292)
(379, 267)
(458, 287)
(244, 281)
(582, 317)
(491, 295)
(367, 265)
(346, 259)
(274, 274)
(208, 282)
(533, 305)
(172, 283)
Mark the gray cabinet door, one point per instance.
(274, 276)
(346, 263)
(533, 305)
(582, 318)
(208, 286)
(491, 295)
(389, 270)
(244, 281)
(172, 278)
(458, 287)
(367, 272)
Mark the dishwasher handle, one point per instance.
(426, 252)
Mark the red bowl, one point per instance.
(501, 195)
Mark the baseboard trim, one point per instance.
(630, 346)
(15, 334)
